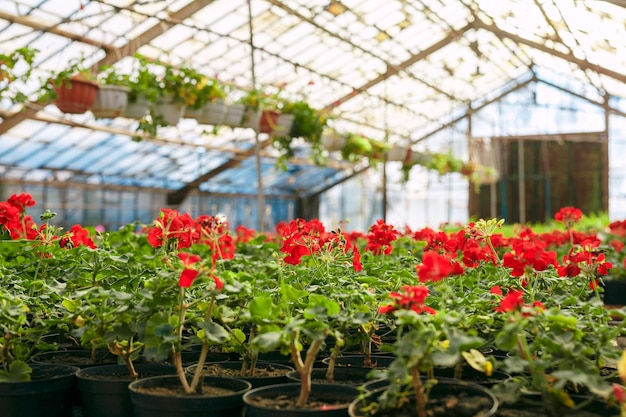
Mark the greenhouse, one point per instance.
(323, 208)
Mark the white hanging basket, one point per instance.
(170, 110)
(111, 101)
(251, 119)
(136, 109)
(397, 152)
(283, 125)
(333, 141)
(213, 113)
(233, 115)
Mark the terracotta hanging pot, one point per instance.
(76, 96)
(268, 121)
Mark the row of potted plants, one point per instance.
(159, 94)
(519, 300)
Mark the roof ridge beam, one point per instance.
(581, 63)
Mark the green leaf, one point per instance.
(261, 307)
(19, 371)
(446, 359)
(213, 332)
(267, 342)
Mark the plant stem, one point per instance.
(304, 369)
(418, 390)
(178, 361)
(330, 371)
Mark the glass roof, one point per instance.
(389, 69)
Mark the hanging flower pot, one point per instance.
(167, 110)
(110, 102)
(251, 119)
(234, 115)
(283, 125)
(75, 96)
(398, 153)
(136, 109)
(333, 141)
(268, 121)
(163, 396)
(213, 113)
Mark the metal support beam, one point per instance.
(113, 54)
(581, 63)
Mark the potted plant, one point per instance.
(301, 321)
(112, 97)
(73, 90)
(144, 89)
(358, 147)
(304, 122)
(206, 104)
(29, 294)
(184, 297)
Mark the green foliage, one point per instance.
(15, 68)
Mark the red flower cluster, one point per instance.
(618, 228)
(20, 225)
(305, 238)
(244, 234)
(584, 258)
(181, 231)
(568, 216)
(172, 226)
(14, 219)
(435, 267)
(77, 236)
(514, 301)
(380, 237)
(411, 297)
(529, 254)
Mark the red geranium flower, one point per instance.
(568, 216)
(435, 267)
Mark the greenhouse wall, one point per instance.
(428, 199)
(112, 209)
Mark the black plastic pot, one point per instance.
(479, 396)
(349, 375)
(614, 292)
(530, 403)
(378, 361)
(81, 358)
(149, 398)
(48, 394)
(104, 389)
(255, 381)
(191, 357)
(336, 397)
